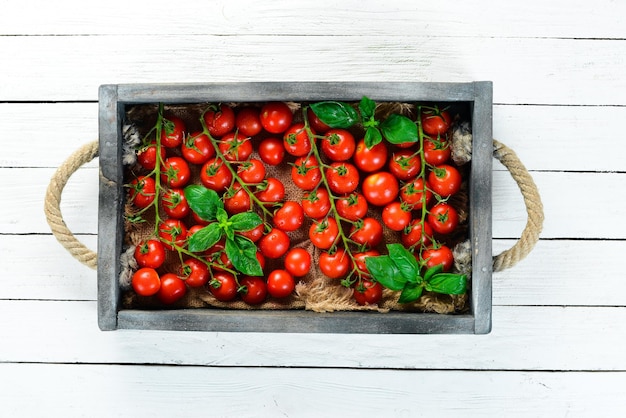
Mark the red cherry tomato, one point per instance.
(359, 262)
(405, 164)
(276, 117)
(414, 235)
(215, 175)
(217, 255)
(253, 290)
(298, 262)
(380, 188)
(251, 171)
(173, 232)
(435, 122)
(223, 286)
(219, 121)
(436, 152)
(443, 218)
(280, 284)
(147, 156)
(368, 232)
(253, 234)
(175, 172)
(342, 177)
(146, 281)
(316, 204)
(336, 265)
(367, 292)
(248, 121)
(150, 253)
(315, 122)
(396, 216)
(271, 191)
(323, 234)
(289, 217)
(444, 180)
(296, 140)
(172, 289)
(142, 191)
(194, 272)
(436, 256)
(306, 173)
(172, 132)
(352, 207)
(175, 204)
(274, 244)
(370, 159)
(235, 146)
(272, 151)
(338, 145)
(197, 148)
(412, 194)
(237, 200)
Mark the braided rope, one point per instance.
(52, 204)
(534, 208)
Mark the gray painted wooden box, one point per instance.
(113, 100)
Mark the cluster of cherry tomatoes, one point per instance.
(350, 194)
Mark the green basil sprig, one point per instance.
(241, 251)
(400, 271)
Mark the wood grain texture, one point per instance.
(531, 73)
(263, 392)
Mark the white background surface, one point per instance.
(559, 317)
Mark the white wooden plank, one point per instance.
(131, 391)
(523, 338)
(537, 71)
(545, 138)
(236, 17)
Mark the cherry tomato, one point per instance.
(235, 147)
(436, 256)
(219, 121)
(380, 188)
(444, 180)
(251, 171)
(194, 272)
(323, 234)
(298, 262)
(336, 265)
(146, 281)
(289, 217)
(368, 232)
(352, 207)
(405, 164)
(172, 288)
(253, 290)
(276, 117)
(435, 122)
(150, 253)
(173, 231)
(306, 173)
(412, 194)
(274, 244)
(175, 172)
(280, 284)
(316, 204)
(142, 191)
(271, 191)
(296, 140)
(315, 122)
(175, 204)
(338, 145)
(272, 151)
(254, 234)
(147, 156)
(223, 286)
(396, 216)
(413, 234)
(359, 262)
(197, 148)
(367, 292)
(261, 259)
(217, 255)
(248, 121)
(443, 218)
(215, 175)
(237, 200)
(436, 152)
(342, 177)
(370, 159)
(172, 132)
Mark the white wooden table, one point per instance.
(559, 317)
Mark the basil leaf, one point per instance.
(399, 129)
(385, 272)
(372, 137)
(367, 107)
(410, 293)
(432, 272)
(405, 261)
(205, 238)
(448, 283)
(335, 114)
(242, 253)
(245, 221)
(221, 215)
(204, 202)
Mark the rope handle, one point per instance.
(504, 260)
